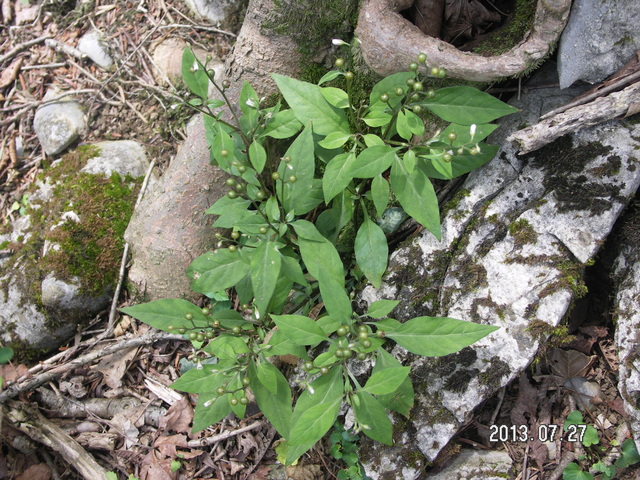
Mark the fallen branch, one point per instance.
(23, 46)
(27, 384)
(203, 442)
(28, 419)
(617, 104)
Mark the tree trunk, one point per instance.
(169, 228)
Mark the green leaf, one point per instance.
(328, 324)
(315, 413)
(381, 308)
(377, 118)
(416, 195)
(371, 250)
(283, 124)
(300, 330)
(630, 454)
(467, 105)
(292, 270)
(210, 409)
(227, 346)
(386, 381)
(401, 400)
(265, 270)
(194, 74)
(388, 85)
(461, 163)
(6, 353)
(335, 96)
(380, 194)
(402, 126)
(435, 337)
(295, 196)
(217, 271)
(281, 345)
(222, 141)
(336, 175)
(372, 417)
(332, 75)
(275, 406)
(229, 318)
(335, 298)
(335, 140)
(317, 250)
(231, 206)
(257, 156)
(307, 102)
(371, 140)
(167, 312)
(248, 101)
(463, 134)
(573, 472)
(372, 161)
(199, 380)
(590, 434)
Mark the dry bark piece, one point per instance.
(390, 42)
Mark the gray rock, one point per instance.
(512, 254)
(218, 12)
(124, 157)
(93, 45)
(48, 287)
(599, 39)
(627, 321)
(477, 465)
(58, 124)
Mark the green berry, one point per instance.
(235, 235)
(363, 335)
(236, 330)
(361, 356)
(275, 175)
(366, 343)
(347, 352)
(342, 330)
(215, 324)
(380, 333)
(209, 334)
(308, 366)
(243, 400)
(452, 136)
(447, 157)
(431, 93)
(242, 169)
(232, 194)
(422, 58)
(188, 316)
(182, 330)
(349, 75)
(170, 328)
(399, 91)
(460, 151)
(230, 182)
(221, 390)
(260, 195)
(293, 179)
(417, 109)
(410, 82)
(233, 401)
(363, 328)
(324, 370)
(200, 337)
(287, 159)
(339, 62)
(224, 153)
(474, 150)
(435, 71)
(263, 230)
(384, 98)
(232, 248)
(442, 73)
(413, 66)
(339, 353)
(246, 382)
(205, 311)
(418, 86)
(192, 335)
(226, 84)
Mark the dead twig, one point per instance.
(203, 442)
(18, 387)
(64, 48)
(206, 28)
(28, 419)
(23, 46)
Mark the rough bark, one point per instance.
(169, 228)
(390, 42)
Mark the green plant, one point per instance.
(344, 446)
(21, 206)
(298, 243)
(587, 435)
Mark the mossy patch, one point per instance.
(522, 232)
(504, 38)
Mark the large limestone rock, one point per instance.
(514, 244)
(59, 123)
(60, 260)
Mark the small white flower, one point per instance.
(208, 403)
(338, 42)
(472, 130)
(311, 390)
(251, 103)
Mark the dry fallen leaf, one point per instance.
(39, 471)
(304, 472)
(10, 73)
(178, 418)
(114, 366)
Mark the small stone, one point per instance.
(471, 464)
(58, 125)
(218, 12)
(124, 157)
(93, 45)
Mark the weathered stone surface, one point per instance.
(599, 39)
(58, 124)
(218, 12)
(477, 465)
(60, 262)
(124, 157)
(514, 243)
(627, 321)
(93, 45)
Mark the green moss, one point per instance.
(522, 232)
(492, 376)
(515, 29)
